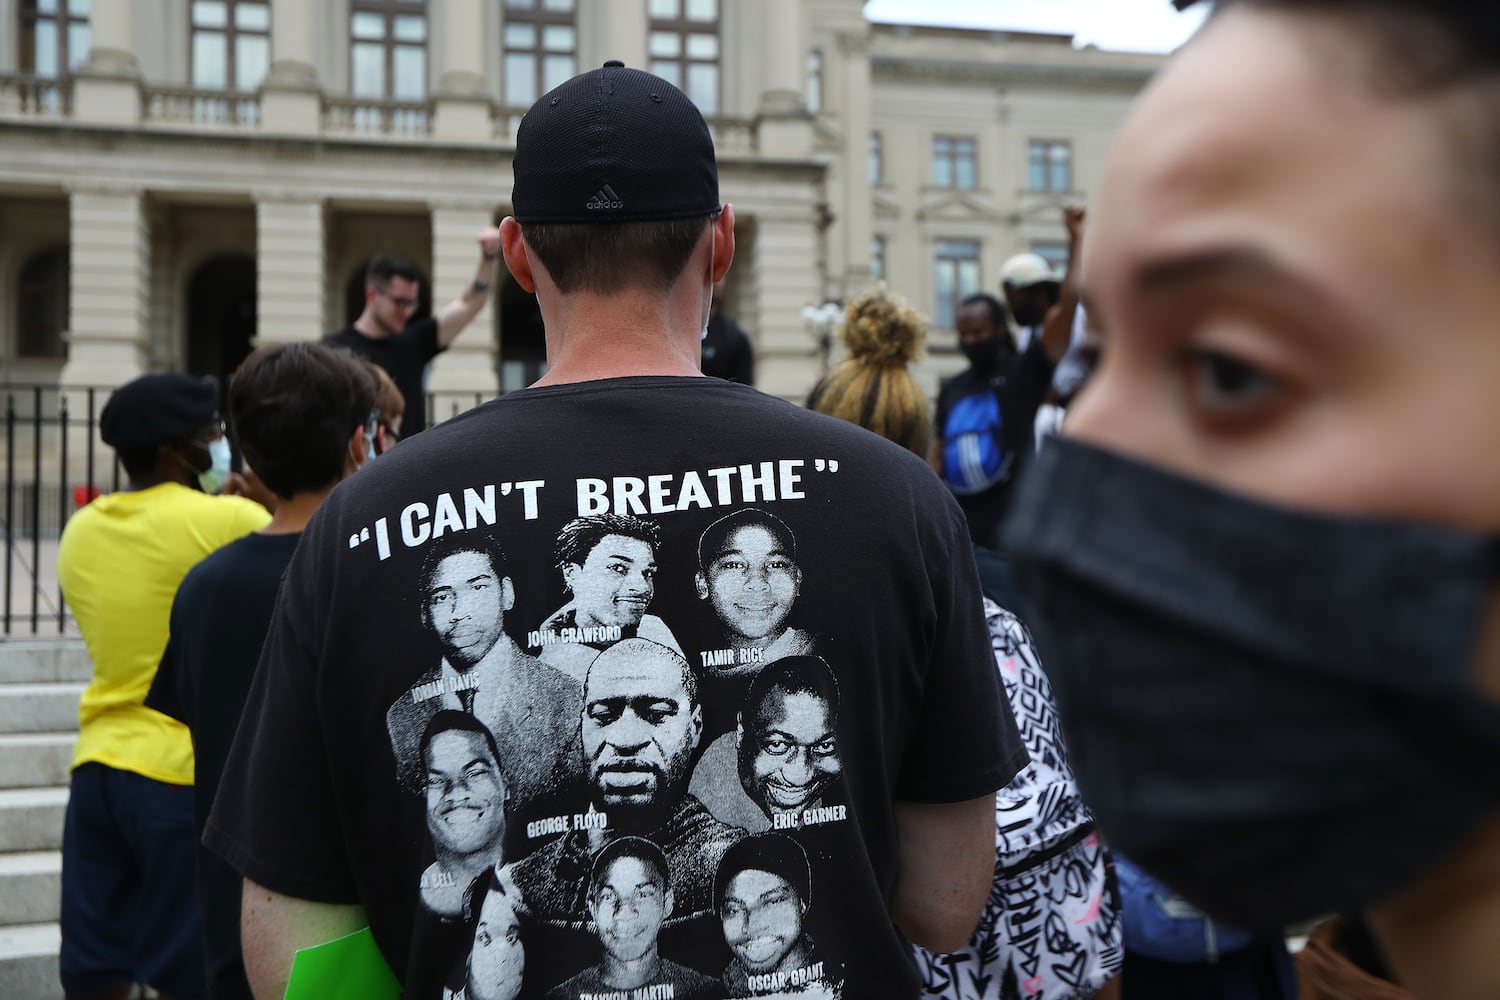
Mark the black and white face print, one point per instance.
(763, 890)
(465, 799)
(465, 593)
(497, 958)
(608, 565)
(641, 723)
(787, 739)
(748, 575)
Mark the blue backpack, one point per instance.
(1160, 924)
(974, 454)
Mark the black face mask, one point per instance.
(1272, 711)
(987, 355)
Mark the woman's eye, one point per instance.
(1220, 382)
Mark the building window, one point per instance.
(388, 49)
(42, 305)
(541, 47)
(1049, 165)
(877, 258)
(54, 36)
(956, 277)
(231, 43)
(955, 162)
(877, 159)
(684, 46)
(815, 81)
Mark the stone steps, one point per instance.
(28, 961)
(30, 887)
(31, 760)
(40, 683)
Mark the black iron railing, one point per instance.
(53, 463)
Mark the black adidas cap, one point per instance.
(614, 145)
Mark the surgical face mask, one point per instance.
(213, 478)
(1272, 711)
(369, 451)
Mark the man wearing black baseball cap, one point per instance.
(619, 232)
(129, 899)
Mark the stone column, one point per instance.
(290, 99)
(107, 88)
(109, 287)
(785, 276)
(613, 30)
(289, 264)
(784, 127)
(857, 213)
(463, 104)
(467, 369)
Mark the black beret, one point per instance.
(158, 409)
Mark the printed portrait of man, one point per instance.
(640, 725)
(496, 963)
(747, 572)
(762, 893)
(465, 796)
(629, 895)
(608, 564)
(782, 759)
(530, 708)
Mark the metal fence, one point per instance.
(51, 463)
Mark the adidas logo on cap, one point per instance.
(604, 200)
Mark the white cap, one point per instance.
(1026, 269)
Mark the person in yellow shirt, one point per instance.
(129, 903)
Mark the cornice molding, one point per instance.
(1116, 78)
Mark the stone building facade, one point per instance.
(181, 179)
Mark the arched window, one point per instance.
(42, 305)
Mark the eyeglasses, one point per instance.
(400, 302)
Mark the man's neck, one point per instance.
(634, 332)
(371, 327)
(293, 513)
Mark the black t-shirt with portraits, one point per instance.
(670, 609)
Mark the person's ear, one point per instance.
(702, 585)
(666, 909)
(723, 243)
(370, 292)
(507, 594)
(517, 256)
(354, 452)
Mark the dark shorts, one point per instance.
(129, 894)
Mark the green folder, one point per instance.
(349, 968)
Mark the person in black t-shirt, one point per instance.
(301, 414)
(385, 334)
(619, 232)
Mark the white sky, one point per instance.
(1123, 25)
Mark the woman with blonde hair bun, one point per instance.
(874, 386)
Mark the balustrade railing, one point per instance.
(366, 116)
(189, 106)
(26, 96)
